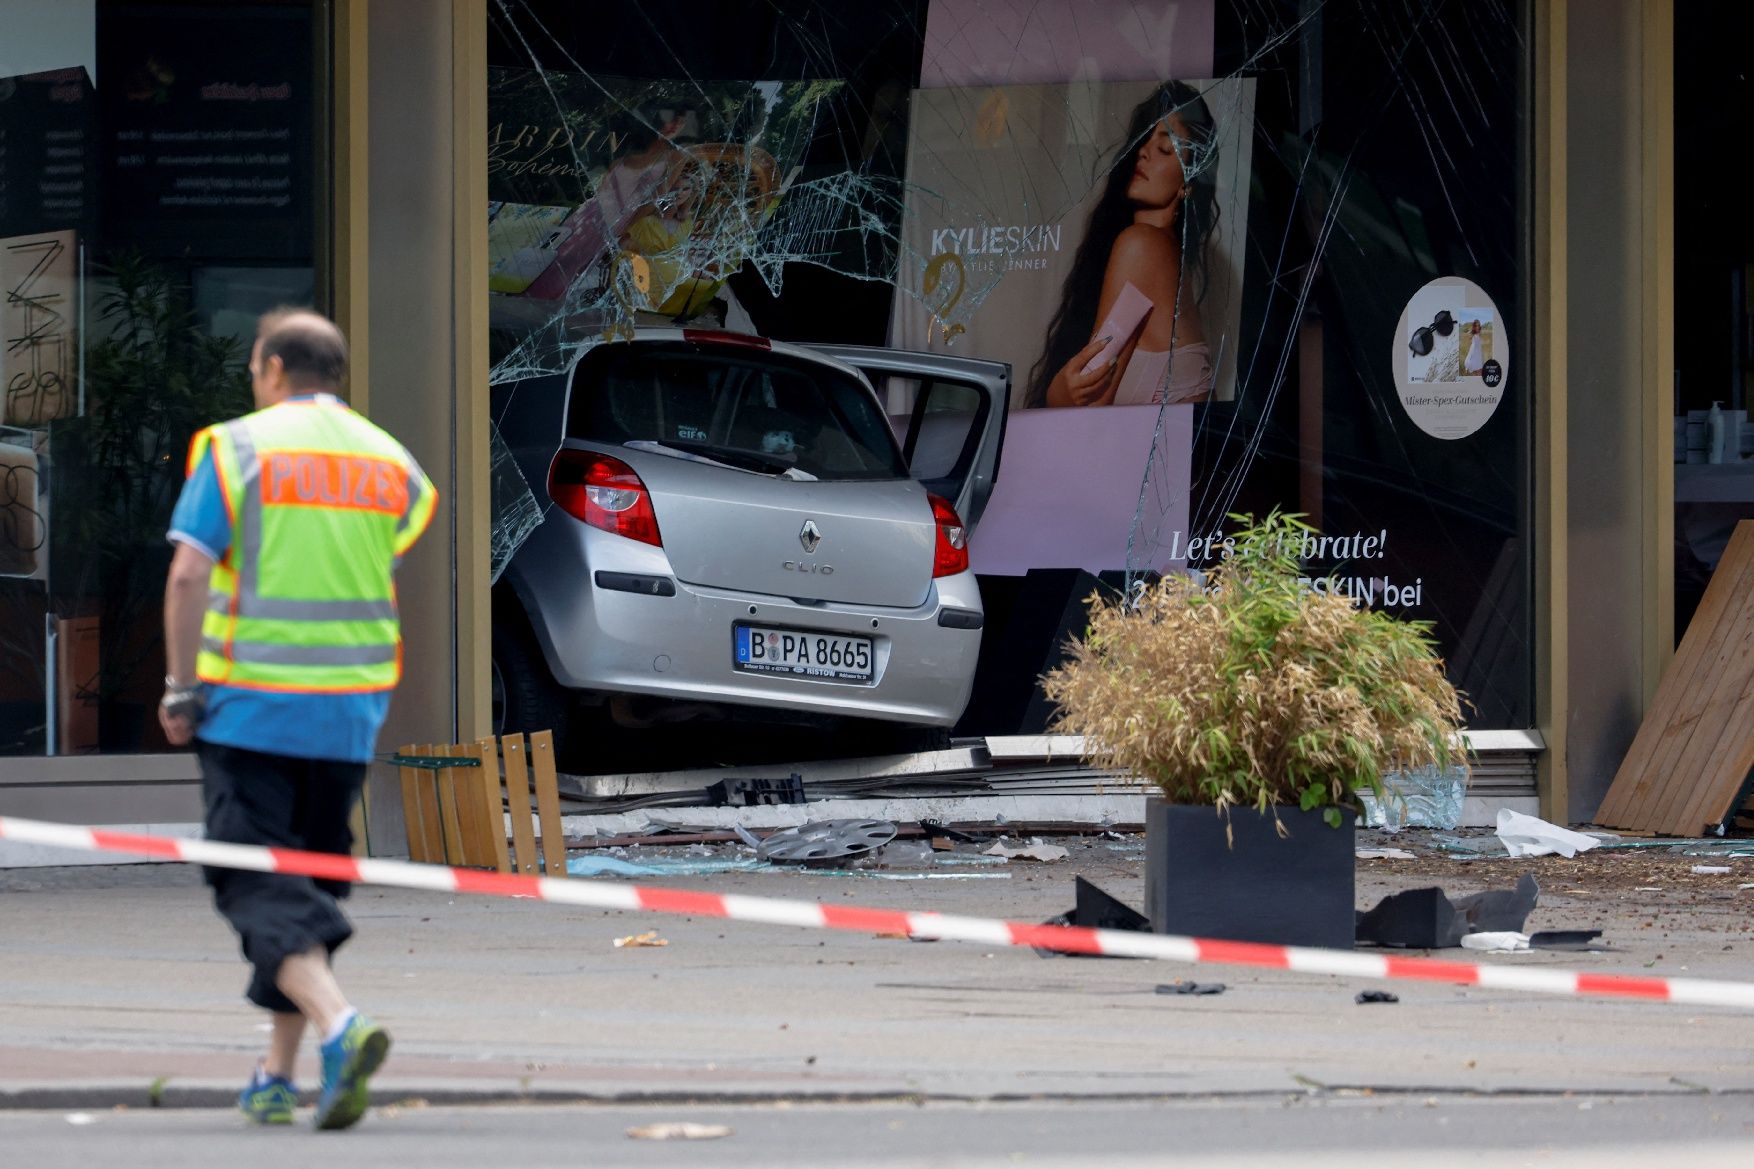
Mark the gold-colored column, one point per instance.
(474, 505)
(1552, 265)
(1657, 292)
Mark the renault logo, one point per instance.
(810, 536)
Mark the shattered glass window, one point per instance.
(1238, 254)
(515, 510)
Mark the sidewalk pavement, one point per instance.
(119, 985)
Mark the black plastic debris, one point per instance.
(748, 791)
(1094, 909)
(1427, 919)
(1497, 910)
(938, 830)
(1376, 996)
(1578, 940)
(1187, 986)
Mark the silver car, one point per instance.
(733, 522)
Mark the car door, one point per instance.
(949, 413)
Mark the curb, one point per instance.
(133, 1097)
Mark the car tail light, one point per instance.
(951, 555)
(605, 493)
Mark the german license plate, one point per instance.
(800, 653)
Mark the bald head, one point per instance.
(301, 348)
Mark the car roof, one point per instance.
(733, 339)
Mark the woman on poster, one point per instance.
(1476, 359)
(1128, 328)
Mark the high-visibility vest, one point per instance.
(322, 504)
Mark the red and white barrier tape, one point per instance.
(809, 914)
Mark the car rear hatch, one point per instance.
(771, 473)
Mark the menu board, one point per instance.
(48, 152)
(207, 129)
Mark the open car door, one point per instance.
(949, 414)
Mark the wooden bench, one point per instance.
(456, 814)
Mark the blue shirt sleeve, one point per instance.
(200, 517)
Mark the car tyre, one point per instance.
(525, 696)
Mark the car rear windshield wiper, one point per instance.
(736, 460)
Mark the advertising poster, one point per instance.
(628, 196)
(1091, 235)
(992, 42)
(207, 139)
(48, 152)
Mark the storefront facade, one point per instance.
(1426, 296)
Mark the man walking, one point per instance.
(282, 646)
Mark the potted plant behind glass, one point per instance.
(1259, 708)
(154, 375)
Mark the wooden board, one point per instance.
(548, 803)
(489, 786)
(420, 807)
(1685, 772)
(472, 812)
(448, 815)
(517, 795)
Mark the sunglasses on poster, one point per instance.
(1421, 342)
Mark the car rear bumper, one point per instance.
(636, 629)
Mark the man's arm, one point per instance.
(185, 600)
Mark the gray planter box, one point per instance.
(1297, 890)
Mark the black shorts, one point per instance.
(283, 802)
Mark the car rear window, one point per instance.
(754, 407)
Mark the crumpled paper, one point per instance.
(1531, 836)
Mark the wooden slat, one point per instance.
(472, 816)
(489, 788)
(517, 794)
(447, 798)
(426, 810)
(1685, 770)
(548, 803)
(411, 819)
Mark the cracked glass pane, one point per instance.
(516, 513)
(1238, 254)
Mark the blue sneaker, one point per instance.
(268, 1099)
(348, 1063)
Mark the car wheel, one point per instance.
(525, 697)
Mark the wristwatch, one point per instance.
(182, 700)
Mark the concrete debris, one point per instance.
(1033, 852)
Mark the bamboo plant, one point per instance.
(1246, 687)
